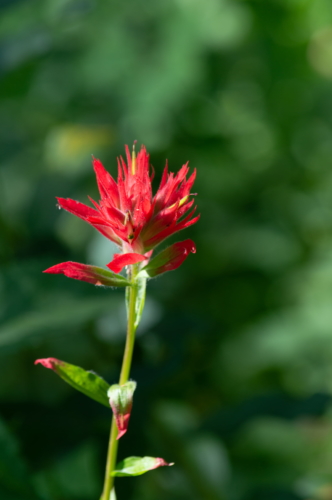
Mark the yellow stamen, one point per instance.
(182, 201)
(133, 160)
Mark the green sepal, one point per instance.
(136, 466)
(84, 381)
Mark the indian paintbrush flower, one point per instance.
(129, 215)
(137, 221)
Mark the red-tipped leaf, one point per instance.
(91, 274)
(170, 258)
(136, 466)
(89, 383)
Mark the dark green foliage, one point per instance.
(234, 353)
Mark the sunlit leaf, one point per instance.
(136, 466)
(84, 381)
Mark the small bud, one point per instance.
(121, 401)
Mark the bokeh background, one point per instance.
(234, 354)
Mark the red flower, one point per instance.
(130, 216)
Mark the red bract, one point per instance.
(92, 274)
(129, 215)
(124, 259)
(169, 259)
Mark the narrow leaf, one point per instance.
(135, 466)
(84, 381)
(121, 401)
(139, 306)
(140, 300)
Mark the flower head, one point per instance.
(130, 215)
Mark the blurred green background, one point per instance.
(234, 354)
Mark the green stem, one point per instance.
(135, 295)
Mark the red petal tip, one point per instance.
(47, 362)
(160, 462)
(121, 260)
(57, 269)
(121, 433)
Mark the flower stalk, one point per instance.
(135, 304)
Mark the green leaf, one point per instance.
(84, 381)
(109, 278)
(136, 466)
